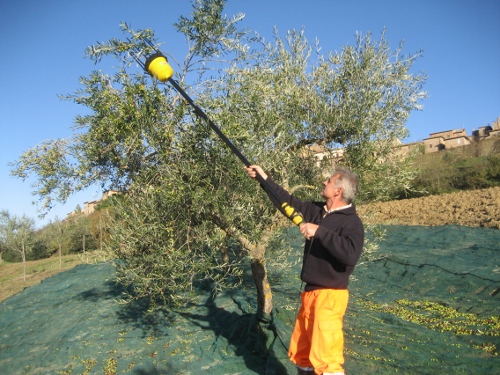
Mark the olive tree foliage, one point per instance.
(358, 100)
(189, 215)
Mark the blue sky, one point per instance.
(43, 43)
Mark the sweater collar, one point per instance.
(336, 209)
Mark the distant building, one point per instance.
(445, 140)
(405, 148)
(482, 133)
(495, 131)
(90, 206)
(322, 154)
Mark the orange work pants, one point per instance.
(317, 340)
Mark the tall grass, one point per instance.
(11, 274)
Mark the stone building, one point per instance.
(445, 140)
(90, 206)
(487, 131)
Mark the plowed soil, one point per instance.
(474, 208)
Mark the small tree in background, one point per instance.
(18, 235)
(186, 201)
(54, 233)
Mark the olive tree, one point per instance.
(18, 235)
(53, 234)
(189, 215)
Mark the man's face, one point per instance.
(329, 190)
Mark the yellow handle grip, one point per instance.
(293, 215)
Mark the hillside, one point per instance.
(474, 208)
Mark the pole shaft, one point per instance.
(219, 132)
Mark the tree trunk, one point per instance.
(257, 254)
(264, 293)
(224, 255)
(24, 258)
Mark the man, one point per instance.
(334, 239)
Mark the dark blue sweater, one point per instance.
(330, 257)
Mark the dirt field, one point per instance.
(477, 208)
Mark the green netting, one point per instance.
(427, 304)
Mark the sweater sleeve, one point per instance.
(309, 210)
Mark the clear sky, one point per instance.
(43, 42)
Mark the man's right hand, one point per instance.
(308, 230)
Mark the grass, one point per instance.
(12, 276)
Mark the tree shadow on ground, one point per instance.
(237, 332)
(164, 369)
(250, 337)
(139, 315)
(135, 314)
(109, 290)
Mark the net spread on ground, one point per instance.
(426, 303)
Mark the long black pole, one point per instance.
(287, 210)
(203, 115)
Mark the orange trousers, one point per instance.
(317, 340)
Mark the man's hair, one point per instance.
(348, 181)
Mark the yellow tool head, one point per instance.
(158, 66)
